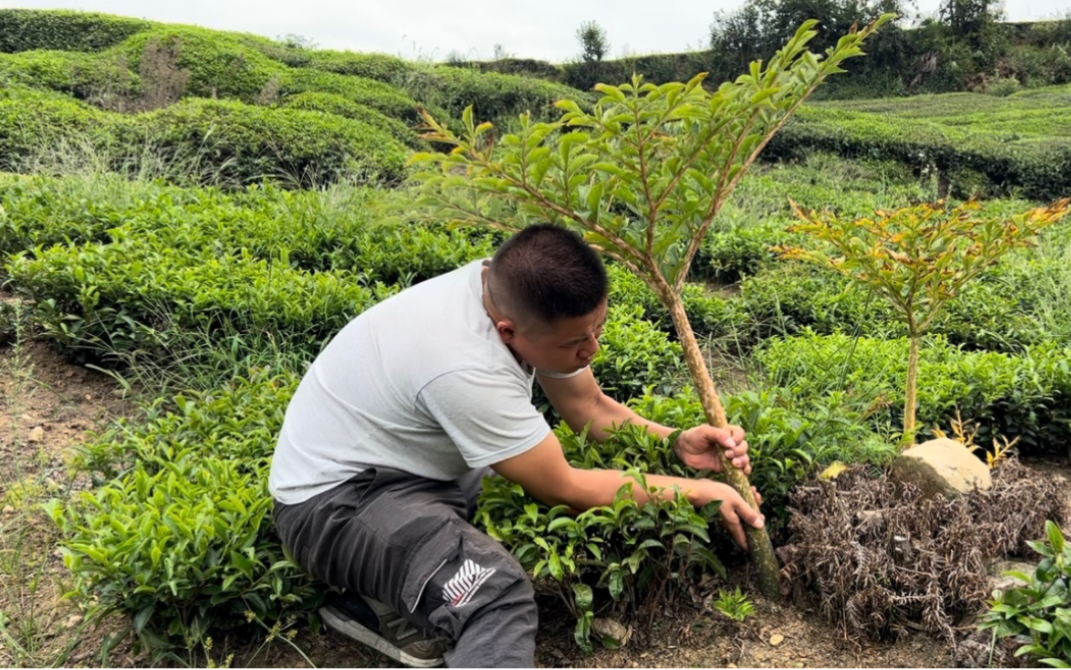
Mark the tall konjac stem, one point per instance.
(912, 391)
(757, 538)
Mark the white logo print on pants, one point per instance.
(462, 586)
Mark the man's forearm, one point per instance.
(610, 414)
(592, 488)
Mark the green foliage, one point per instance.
(381, 67)
(30, 120)
(388, 99)
(31, 30)
(247, 143)
(918, 258)
(734, 604)
(331, 103)
(1024, 148)
(634, 355)
(180, 538)
(660, 179)
(637, 554)
(219, 63)
(1038, 613)
(238, 421)
(77, 74)
(1026, 396)
(133, 299)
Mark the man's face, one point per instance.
(564, 346)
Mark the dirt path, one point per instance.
(48, 406)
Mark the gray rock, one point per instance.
(1002, 583)
(942, 466)
(608, 628)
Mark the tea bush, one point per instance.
(246, 143)
(31, 120)
(1026, 396)
(131, 299)
(1011, 161)
(634, 356)
(381, 67)
(74, 73)
(639, 556)
(180, 538)
(31, 30)
(219, 64)
(340, 106)
(1036, 613)
(388, 99)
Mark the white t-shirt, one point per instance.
(421, 382)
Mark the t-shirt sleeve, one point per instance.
(489, 417)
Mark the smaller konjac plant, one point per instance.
(918, 259)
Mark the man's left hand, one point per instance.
(698, 447)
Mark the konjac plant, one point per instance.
(642, 175)
(918, 259)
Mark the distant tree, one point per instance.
(500, 53)
(298, 41)
(594, 45)
(760, 27)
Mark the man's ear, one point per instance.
(507, 330)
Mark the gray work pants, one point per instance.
(408, 541)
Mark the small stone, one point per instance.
(37, 434)
(8, 509)
(941, 467)
(74, 620)
(68, 374)
(89, 396)
(776, 639)
(25, 418)
(608, 628)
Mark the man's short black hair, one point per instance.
(548, 272)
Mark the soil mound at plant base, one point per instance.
(881, 558)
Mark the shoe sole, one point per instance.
(356, 631)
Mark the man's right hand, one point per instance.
(735, 511)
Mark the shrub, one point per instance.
(1036, 613)
(338, 105)
(634, 355)
(381, 67)
(248, 144)
(388, 99)
(76, 74)
(1036, 166)
(32, 121)
(493, 96)
(181, 540)
(219, 64)
(137, 300)
(30, 30)
(1026, 396)
(631, 559)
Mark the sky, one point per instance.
(437, 29)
